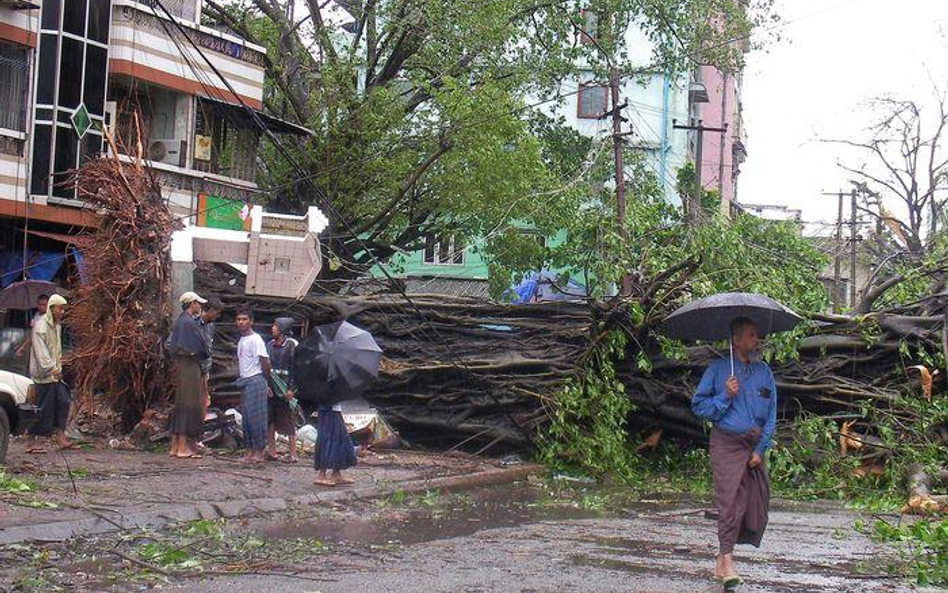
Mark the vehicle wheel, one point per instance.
(4, 434)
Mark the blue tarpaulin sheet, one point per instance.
(546, 286)
(40, 265)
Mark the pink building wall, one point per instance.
(719, 169)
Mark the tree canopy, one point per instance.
(424, 110)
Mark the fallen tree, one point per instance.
(468, 370)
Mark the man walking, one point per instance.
(742, 408)
(189, 351)
(46, 370)
(253, 364)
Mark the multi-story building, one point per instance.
(69, 69)
(723, 153)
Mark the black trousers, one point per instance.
(54, 399)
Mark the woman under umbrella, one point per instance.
(334, 449)
(334, 364)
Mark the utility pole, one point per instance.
(699, 129)
(852, 252)
(616, 112)
(838, 293)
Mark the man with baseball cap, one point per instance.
(189, 349)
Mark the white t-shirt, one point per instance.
(249, 350)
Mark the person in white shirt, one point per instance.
(253, 365)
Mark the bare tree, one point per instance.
(902, 187)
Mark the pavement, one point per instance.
(509, 541)
(100, 490)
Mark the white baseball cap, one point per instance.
(189, 297)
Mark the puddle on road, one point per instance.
(455, 516)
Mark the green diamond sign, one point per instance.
(81, 121)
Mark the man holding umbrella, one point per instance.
(739, 396)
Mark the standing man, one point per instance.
(41, 302)
(189, 351)
(253, 364)
(743, 411)
(281, 349)
(46, 370)
(209, 314)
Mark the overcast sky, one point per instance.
(834, 55)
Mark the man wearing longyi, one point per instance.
(739, 397)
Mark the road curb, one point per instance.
(103, 522)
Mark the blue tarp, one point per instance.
(546, 286)
(80, 263)
(40, 265)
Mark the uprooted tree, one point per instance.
(125, 283)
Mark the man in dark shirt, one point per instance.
(281, 349)
(209, 314)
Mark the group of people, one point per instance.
(265, 411)
(740, 401)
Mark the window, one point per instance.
(70, 73)
(72, 67)
(74, 17)
(593, 101)
(223, 144)
(532, 235)
(13, 87)
(590, 24)
(444, 250)
(39, 173)
(99, 20)
(46, 90)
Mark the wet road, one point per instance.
(505, 540)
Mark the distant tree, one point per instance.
(903, 189)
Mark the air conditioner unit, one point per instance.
(170, 152)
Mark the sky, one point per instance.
(814, 83)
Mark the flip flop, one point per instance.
(190, 456)
(326, 483)
(731, 582)
(36, 451)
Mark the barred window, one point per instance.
(13, 87)
(444, 250)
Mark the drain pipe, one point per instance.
(663, 157)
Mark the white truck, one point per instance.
(15, 414)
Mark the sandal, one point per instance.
(189, 456)
(328, 483)
(36, 451)
(732, 581)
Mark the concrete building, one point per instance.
(717, 104)
(71, 68)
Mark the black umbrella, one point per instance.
(23, 294)
(710, 318)
(335, 363)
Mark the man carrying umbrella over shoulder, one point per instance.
(739, 397)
